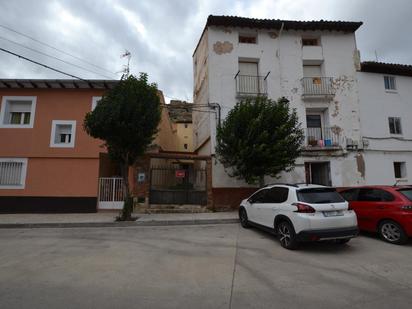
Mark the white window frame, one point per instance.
(55, 123)
(5, 101)
(400, 125)
(393, 78)
(23, 173)
(402, 169)
(94, 101)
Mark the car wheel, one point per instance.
(286, 235)
(342, 241)
(243, 218)
(392, 232)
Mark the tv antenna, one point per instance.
(126, 67)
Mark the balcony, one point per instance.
(249, 85)
(323, 138)
(318, 87)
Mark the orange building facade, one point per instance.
(48, 163)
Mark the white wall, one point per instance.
(283, 58)
(376, 105)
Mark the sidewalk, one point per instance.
(108, 219)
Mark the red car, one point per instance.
(383, 209)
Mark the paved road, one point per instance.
(214, 266)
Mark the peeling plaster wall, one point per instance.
(281, 55)
(376, 106)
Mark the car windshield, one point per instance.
(319, 196)
(407, 193)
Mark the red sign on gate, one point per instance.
(180, 173)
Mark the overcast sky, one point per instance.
(161, 35)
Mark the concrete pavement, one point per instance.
(202, 266)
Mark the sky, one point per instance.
(161, 35)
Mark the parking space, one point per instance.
(210, 266)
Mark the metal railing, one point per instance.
(251, 85)
(323, 137)
(318, 86)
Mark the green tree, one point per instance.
(259, 137)
(126, 119)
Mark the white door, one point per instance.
(248, 68)
(312, 71)
(111, 193)
(255, 201)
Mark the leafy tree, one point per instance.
(259, 137)
(126, 119)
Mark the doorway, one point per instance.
(318, 173)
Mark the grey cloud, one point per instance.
(172, 31)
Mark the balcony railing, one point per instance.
(318, 86)
(323, 137)
(251, 85)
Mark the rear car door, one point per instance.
(275, 198)
(372, 204)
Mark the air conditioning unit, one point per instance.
(351, 144)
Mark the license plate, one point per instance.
(334, 213)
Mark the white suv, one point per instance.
(298, 213)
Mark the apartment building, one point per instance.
(313, 64)
(48, 163)
(385, 92)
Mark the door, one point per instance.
(371, 206)
(318, 173)
(274, 201)
(248, 78)
(111, 193)
(256, 200)
(314, 129)
(312, 71)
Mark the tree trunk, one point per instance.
(261, 181)
(127, 210)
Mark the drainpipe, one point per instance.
(280, 61)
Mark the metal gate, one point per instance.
(111, 193)
(173, 185)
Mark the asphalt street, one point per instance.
(209, 266)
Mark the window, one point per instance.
(185, 146)
(17, 112)
(399, 169)
(185, 125)
(319, 196)
(374, 195)
(395, 125)
(407, 193)
(390, 83)
(95, 100)
(12, 173)
(277, 195)
(350, 195)
(310, 42)
(258, 197)
(63, 133)
(248, 38)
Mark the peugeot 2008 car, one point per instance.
(386, 210)
(297, 213)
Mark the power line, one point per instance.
(53, 57)
(55, 48)
(41, 64)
